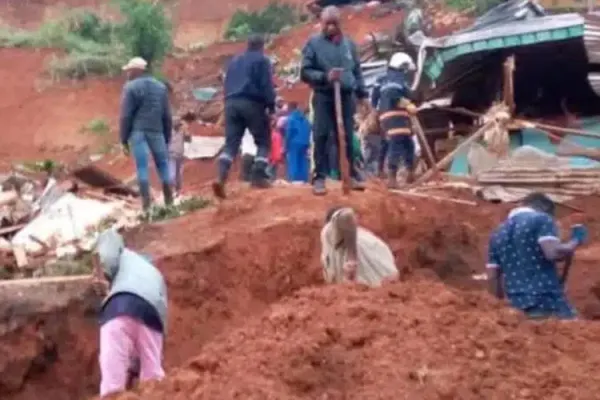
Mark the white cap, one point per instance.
(135, 63)
(402, 61)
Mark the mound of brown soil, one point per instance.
(414, 340)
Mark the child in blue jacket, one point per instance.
(297, 143)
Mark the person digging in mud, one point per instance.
(329, 57)
(523, 252)
(395, 109)
(133, 315)
(146, 125)
(352, 253)
(249, 102)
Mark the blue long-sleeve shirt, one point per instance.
(297, 132)
(249, 76)
(145, 107)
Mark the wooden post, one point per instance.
(508, 86)
(423, 139)
(444, 162)
(341, 132)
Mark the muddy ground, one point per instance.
(250, 317)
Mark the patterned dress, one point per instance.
(531, 281)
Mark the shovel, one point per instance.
(341, 133)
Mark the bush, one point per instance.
(479, 7)
(270, 20)
(97, 47)
(147, 31)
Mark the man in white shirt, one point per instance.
(353, 253)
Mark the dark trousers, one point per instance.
(401, 148)
(383, 152)
(373, 149)
(242, 114)
(324, 126)
(246, 170)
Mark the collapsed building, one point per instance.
(540, 67)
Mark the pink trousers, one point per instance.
(122, 340)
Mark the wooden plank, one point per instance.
(46, 280)
(432, 197)
(444, 162)
(11, 229)
(20, 256)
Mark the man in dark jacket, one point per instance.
(146, 124)
(328, 57)
(249, 102)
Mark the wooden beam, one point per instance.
(45, 280)
(444, 162)
(424, 144)
(432, 197)
(508, 84)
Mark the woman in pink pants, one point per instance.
(133, 317)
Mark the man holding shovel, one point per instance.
(330, 60)
(523, 252)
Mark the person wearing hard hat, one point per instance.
(395, 110)
(146, 124)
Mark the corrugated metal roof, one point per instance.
(511, 24)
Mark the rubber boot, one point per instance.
(319, 188)
(357, 181)
(392, 182)
(410, 176)
(218, 186)
(167, 194)
(145, 196)
(260, 177)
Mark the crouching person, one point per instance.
(133, 316)
(353, 253)
(523, 255)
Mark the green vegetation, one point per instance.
(97, 126)
(478, 7)
(161, 213)
(48, 166)
(94, 46)
(270, 20)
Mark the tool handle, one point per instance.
(341, 133)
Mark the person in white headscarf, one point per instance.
(352, 253)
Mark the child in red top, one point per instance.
(276, 152)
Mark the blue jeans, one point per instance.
(142, 143)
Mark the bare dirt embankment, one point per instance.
(246, 297)
(228, 263)
(45, 120)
